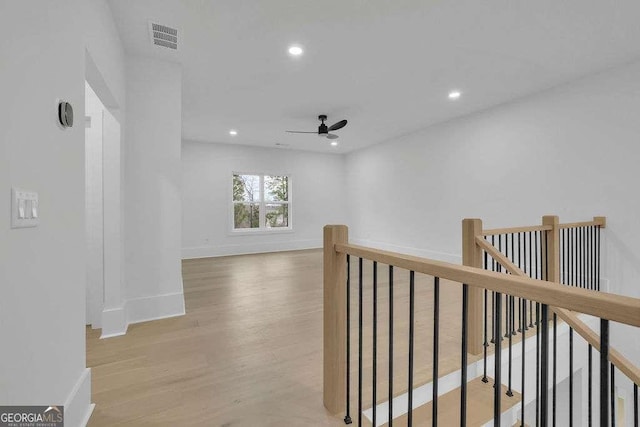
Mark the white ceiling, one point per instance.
(386, 66)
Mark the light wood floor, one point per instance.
(249, 350)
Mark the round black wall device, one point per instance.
(65, 114)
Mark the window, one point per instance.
(261, 202)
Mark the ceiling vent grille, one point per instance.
(163, 36)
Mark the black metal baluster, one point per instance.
(538, 348)
(486, 344)
(587, 265)
(590, 388)
(499, 267)
(513, 299)
(585, 254)
(485, 323)
(530, 275)
(580, 260)
(588, 260)
(507, 326)
(635, 405)
(374, 378)
(577, 255)
(572, 253)
(359, 341)
(555, 366)
(497, 387)
(591, 259)
(463, 356)
(411, 327)
(524, 338)
(436, 338)
(520, 328)
(562, 250)
(347, 417)
(613, 395)
(537, 253)
(493, 295)
(604, 372)
(563, 256)
(509, 391)
(390, 416)
(570, 377)
(598, 258)
(544, 365)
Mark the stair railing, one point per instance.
(568, 254)
(339, 305)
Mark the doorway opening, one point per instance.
(103, 208)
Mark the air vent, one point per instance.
(163, 36)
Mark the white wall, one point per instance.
(317, 188)
(42, 270)
(153, 190)
(94, 217)
(572, 151)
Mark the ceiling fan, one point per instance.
(323, 130)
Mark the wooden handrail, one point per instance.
(499, 257)
(598, 221)
(510, 230)
(604, 305)
(621, 362)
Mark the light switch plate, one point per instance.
(25, 211)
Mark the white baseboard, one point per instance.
(78, 407)
(155, 307)
(249, 248)
(425, 253)
(114, 322)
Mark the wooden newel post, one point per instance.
(335, 319)
(472, 257)
(551, 250)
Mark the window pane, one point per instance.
(246, 215)
(276, 188)
(277, 215)
(246, 188)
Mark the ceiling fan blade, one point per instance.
(332, 136)
(339, 125)
(298, 131)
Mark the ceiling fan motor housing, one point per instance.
(323, 129)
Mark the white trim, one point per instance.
(260, 231)
(155, 307)
(426, 253)
(250, 248)
(141, 309)
(78, 407)
(114, 322)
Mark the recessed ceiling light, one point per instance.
(233, 132)
(295, 50)
(334, 143)
(454, 94)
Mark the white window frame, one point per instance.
(262, 218)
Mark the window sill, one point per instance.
(260, 231)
